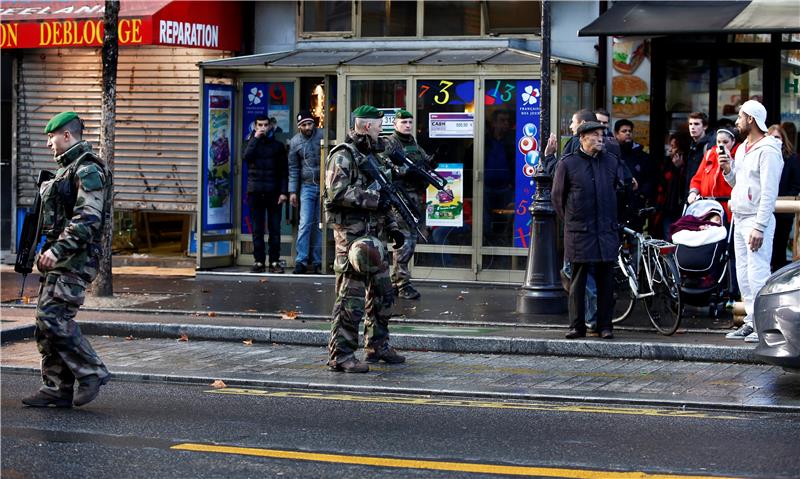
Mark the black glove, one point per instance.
(384, 203)
(398, 238)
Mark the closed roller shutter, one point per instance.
(155, 165)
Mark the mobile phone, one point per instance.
(721, 149)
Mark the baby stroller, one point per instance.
(702, 237)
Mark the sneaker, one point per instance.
(43, 399)
(88, 389)
(258, 267)
(299, 268)
(350, 365)
(386, 354)
(275, 267)
(317, 268)
(741, 333)
(408, 292)
(751, 338)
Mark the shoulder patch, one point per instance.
(91, 177)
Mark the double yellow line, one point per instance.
(430, 465)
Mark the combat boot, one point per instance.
(407, 292)
(384, 353)
(88, 388)
(350, 365)
(44, 399)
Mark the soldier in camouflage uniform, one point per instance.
(360, 215)
(71, 219)
(403, 142)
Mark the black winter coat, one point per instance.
(585, 197)
(267, 166)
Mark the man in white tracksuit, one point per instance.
(754, 176)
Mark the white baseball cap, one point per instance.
(757, 111)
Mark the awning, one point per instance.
(358, 57)
(650, 18)
(61, 24)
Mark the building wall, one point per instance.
(275, 27)
(568, 18)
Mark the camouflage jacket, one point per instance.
(74, 209)
(408, 146)
(350, 196)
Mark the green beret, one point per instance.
(59, 120)
(367, 111)
(402, 114)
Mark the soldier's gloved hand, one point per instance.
(384, 203)
(398, 238)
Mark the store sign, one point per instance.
(215, 26)
(451, 125)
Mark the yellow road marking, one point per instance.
(431, 465)
(467, 403)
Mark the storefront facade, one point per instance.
(53, 50)
(476, 110)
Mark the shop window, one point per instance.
(738, 81)
(462, 18)
(387, 95)
(445, 128)
(513, 17)
(388, 19)
(687, 90)
(791, 37)
(750, 38)
(790, 94)
(327, 16)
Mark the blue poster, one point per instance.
(528, 114)
(218, 151)
(261, 98)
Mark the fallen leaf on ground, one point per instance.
(218, 384)
(212, 314)
(264, 280)
(251, 310)
(247, 342)
(184, 338)
(26, 300)
(288, 314)
(460, 298)
(129, 338)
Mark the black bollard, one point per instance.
(542, 292)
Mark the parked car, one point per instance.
(777, 318)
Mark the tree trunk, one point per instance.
(103, 284)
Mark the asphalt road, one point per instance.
(181, 430)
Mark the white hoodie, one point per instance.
(755, 176)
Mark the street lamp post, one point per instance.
(542, 292)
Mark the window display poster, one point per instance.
(451, 125)
(527, 157)
(262, 98)
(218, 149)
(446, 207)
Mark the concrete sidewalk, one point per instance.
(451, 317)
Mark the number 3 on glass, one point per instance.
(443, 97)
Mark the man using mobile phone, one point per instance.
(754, 175)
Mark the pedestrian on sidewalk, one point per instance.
(360, 215)
(402, 142)
(755, 176)
(267, 186)
(789, 186)
(304, 160)
(74, 210)
(585, 196)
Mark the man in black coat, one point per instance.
(267, 187)
(585, 196)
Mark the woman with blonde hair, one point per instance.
(789, 186)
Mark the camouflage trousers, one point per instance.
(66, 354)
(401, 274)
(359, 295)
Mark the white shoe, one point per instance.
(741, 333)
(751, 338)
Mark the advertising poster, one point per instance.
(261, 98)
(451, 125)
(630, 85)
(218, 149)
(446, 208)
(529, 110)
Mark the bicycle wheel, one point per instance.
(664, 307)
(624, 301)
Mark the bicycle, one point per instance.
(646, 270)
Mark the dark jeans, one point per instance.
(783, 228)
(604, 280)
(261, 205)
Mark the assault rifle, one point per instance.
(397, 197)
(429, 177)
(31, 233)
